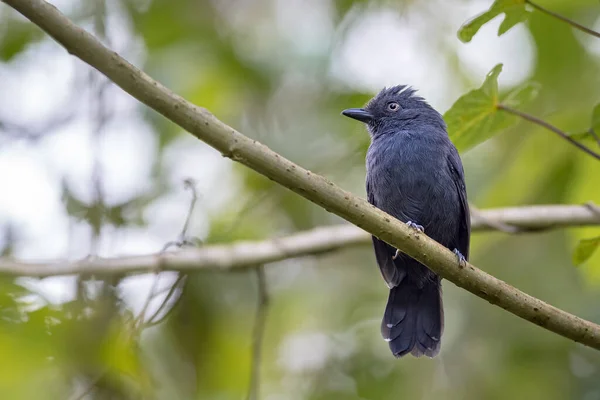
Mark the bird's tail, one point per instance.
(414, 319)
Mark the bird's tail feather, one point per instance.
(414, 319)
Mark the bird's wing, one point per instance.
(392, 273)
(458, 176)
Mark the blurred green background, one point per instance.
(84, 169)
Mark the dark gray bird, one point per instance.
(415, 174)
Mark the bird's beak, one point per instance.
(359, 114)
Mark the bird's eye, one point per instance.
(393, 106)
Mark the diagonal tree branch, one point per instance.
(206, 127)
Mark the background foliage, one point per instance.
(281, 72)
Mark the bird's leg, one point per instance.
(396, 255)
(416, 226)
(461, 259)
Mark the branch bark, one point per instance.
(206, 127)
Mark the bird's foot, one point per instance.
(462, 261)
(416, 226)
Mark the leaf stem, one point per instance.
(564, 19)
(552, 128)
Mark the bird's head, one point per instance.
(396, 108)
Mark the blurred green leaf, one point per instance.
(587, 136)
(15, 36)
(128, 212)
(120, 351)
(585, 249)
(514, 11)
(91, 213)
(474, 118)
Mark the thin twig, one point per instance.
(190, 185)
(164, 290)
(564, 19)
(550, 127)
(139, 321)
(154, 320)
(182, 241)
(258, 333)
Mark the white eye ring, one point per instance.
(393, 106)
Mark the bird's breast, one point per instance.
(411, 181)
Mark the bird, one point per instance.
(415, 174)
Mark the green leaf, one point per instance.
(15, 37)
(91, 213)
(514, 11)
(474, 117)
(587, 136)
(585, 249)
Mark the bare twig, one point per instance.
(154, 319)
(564, 19)
(139, 321)
(190, 185)
(258, 333)
(231, 143)
(182, 241)
(550, 127)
